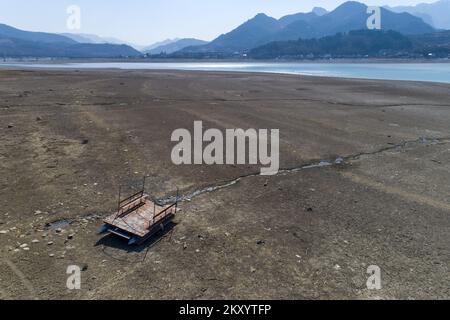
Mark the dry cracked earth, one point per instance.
(70, 138)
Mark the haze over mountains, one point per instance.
(95, 39)
(19, 43)
(436, 14)
(256, 32)
(169, 47)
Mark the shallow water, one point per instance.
(434, 72)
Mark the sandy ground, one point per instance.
(70, 138)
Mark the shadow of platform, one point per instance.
(116, 242)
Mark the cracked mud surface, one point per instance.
(70, 138)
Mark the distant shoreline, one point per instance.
(380, 70)
(141, 60)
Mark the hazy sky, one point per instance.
(147, 21)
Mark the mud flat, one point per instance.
(69, 138)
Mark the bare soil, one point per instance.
(70, 138)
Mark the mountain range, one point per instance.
(351, 15)
(436, 14)
(364, 43)
(95, 39)
(19, 43)
(169, 46)
(254, 33)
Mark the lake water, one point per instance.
(435, 72)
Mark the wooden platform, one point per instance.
(138, 218)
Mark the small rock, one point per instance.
(260, 242)
(10, 126)
(85, 141)
(59, 230)
(185, 246)
(4, 231)
(84, 267)
(35, 241)
(38, 118)
(50, 243)
(51, 255)
(26, 249)
(337, 267)
(23, 245)
(252, 270)
(70, 236)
